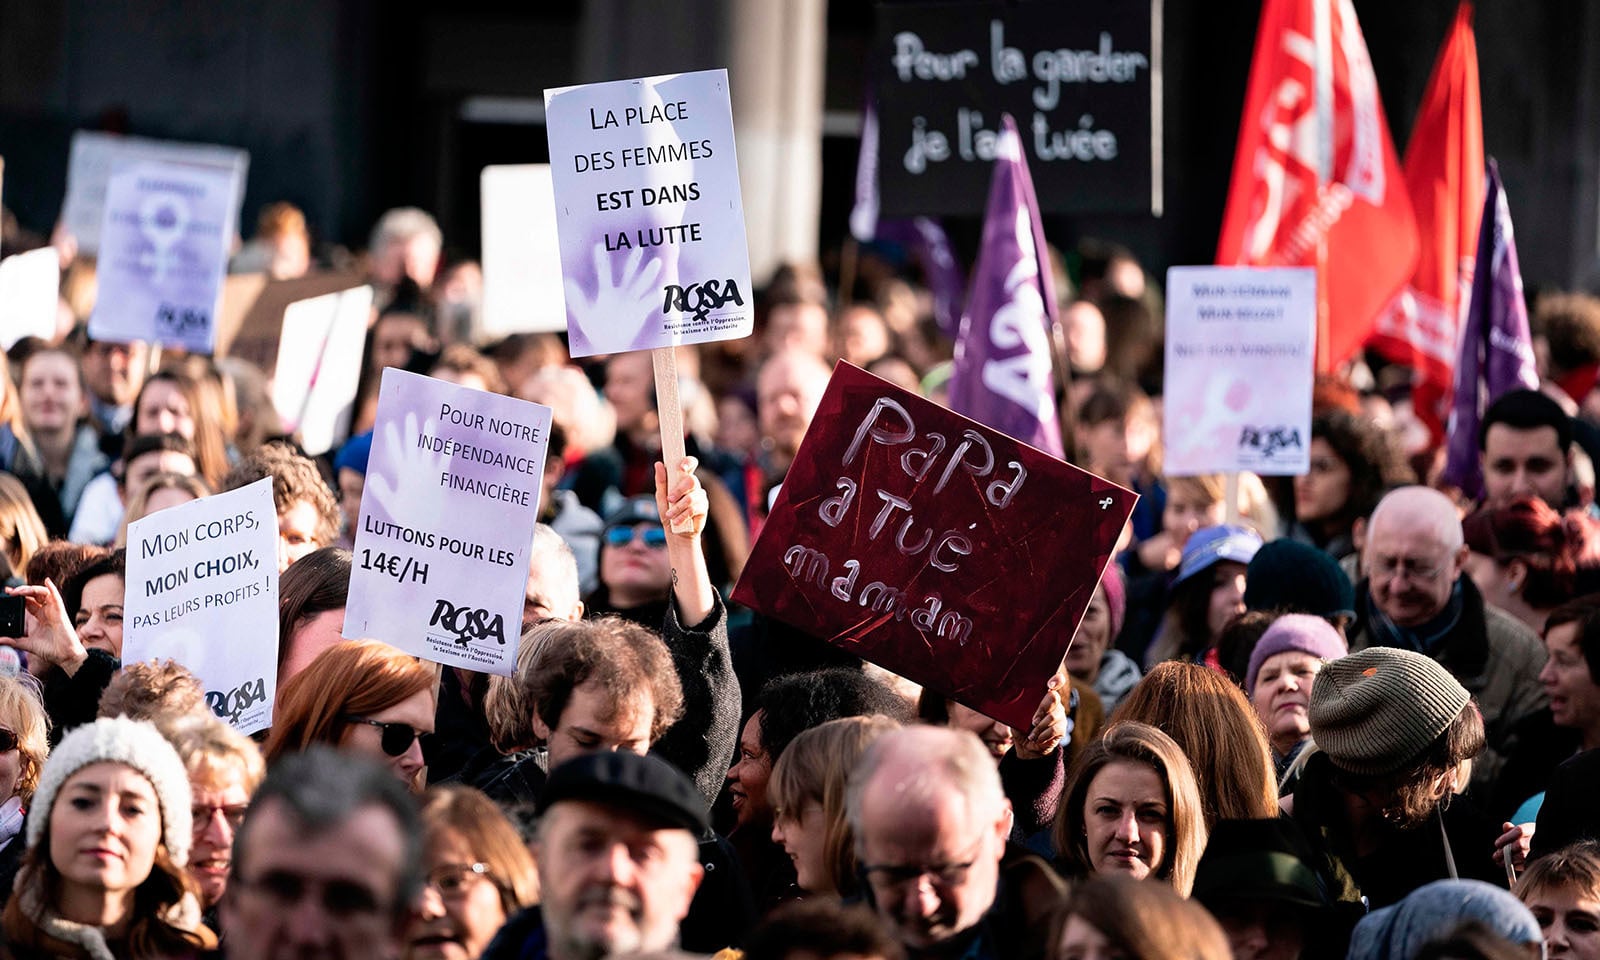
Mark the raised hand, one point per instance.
(1049, 724)
(49, 635)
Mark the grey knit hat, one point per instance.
(131, 742)
(1377, 711)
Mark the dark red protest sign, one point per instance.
(934, 546)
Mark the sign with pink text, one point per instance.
(934, 546)
(447, 516)
(648, 213)
(1241, 342)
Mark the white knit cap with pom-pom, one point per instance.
(136, 744)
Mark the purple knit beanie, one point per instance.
(1116, 598)
(1294, 631)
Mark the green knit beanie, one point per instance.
(1377, 711)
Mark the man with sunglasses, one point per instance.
(327, 862)
(1417, 597)
(930, 821)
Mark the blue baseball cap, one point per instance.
(354, 454)
(1211, 545)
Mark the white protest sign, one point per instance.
(164, 252)
(29, 285)
(447, 516)
(95, 156)
(649, 214)
(203, 590)
(319, 363)
(521, 260)
(1240, 346)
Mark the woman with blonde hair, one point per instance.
(479, 874)
(1131, 806)
(363, 696)
(807, 791)
(22, 533)
(1562, 889)
(225, 768)
(1217, 730)
(24, 745)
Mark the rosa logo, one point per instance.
(467, 624)
(230, 705)
(698, 299)
(1268, 441)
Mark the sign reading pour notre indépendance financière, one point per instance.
(1082, 79)
(447, 515)
(934, 546)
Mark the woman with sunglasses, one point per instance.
(479, 873)
(23, 748)
(635, 571)
(363, 696)
(225, 767)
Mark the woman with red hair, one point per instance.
(363, 696)
(1525, 556)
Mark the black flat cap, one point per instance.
(646, 787)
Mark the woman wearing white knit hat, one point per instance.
(107, 838)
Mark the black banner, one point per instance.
(1081, 79)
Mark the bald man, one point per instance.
(1417, 596)
(930, 822)
(788, 389)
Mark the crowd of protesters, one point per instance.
(1354, 713)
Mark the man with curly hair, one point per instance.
(308, 515)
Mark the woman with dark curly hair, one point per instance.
(1353, 463)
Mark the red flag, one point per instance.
(1315, 177)
(1444, 176)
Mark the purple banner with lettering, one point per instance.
(934, 546)
(1496, 345)
(1002, 373)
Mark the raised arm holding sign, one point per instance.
(650, 222)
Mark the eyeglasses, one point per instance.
(454, 879)
(655, 537)
(339, 898)
(8, 740)
(397, 737)
(1421, 571)
(888, 877)
(232, 814)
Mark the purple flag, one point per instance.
(864, 214)
(923, 237)
(1496, 347)
(1002, 374)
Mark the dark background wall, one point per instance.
(349, 107)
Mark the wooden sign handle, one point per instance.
(669, 409)
(1232, 513)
